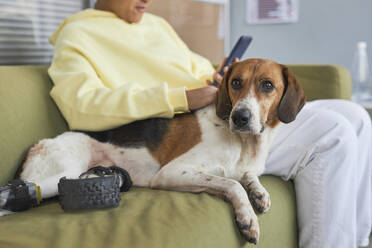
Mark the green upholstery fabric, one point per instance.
(27, 114)
(323, 81)
(145, 218)
(152, 218)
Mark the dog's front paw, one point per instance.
(248, 226)
(260, 199)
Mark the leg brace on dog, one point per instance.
(19, 196)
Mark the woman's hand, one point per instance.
(217, 76)
(202, 97)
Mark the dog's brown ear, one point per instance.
(223, 101)
(293, 98)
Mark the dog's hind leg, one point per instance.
(21, 194)
(67, 155)
(49, 186)
(172, 178)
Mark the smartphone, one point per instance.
(237, 52)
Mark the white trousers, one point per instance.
(326, 151)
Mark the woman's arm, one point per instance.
(87, 104)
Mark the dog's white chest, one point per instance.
(219, 152)
(223, 153)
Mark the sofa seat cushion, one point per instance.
(152, 218)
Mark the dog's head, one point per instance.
(256, 93)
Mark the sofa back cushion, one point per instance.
(323, 81)
(27, 114)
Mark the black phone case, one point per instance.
(237, 52)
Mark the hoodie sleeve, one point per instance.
(87, 104)
(201, 67)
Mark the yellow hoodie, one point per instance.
(107, 72)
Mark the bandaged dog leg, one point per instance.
(49, 186)
(19, 195)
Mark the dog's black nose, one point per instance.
(241, 117)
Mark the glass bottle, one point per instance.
(361, 79)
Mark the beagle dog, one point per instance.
(220, 149)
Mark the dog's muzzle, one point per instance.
(241, 118)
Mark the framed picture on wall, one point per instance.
(271, 11)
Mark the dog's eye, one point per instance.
(236, 84)
(266, 86)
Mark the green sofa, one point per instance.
(145, 217)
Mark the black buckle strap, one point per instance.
(126, 180)
(98, 171)
(103, 171)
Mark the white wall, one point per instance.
(327, 32)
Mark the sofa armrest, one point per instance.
(323, 81)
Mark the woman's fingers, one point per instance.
(220, 66)
(217, 76)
